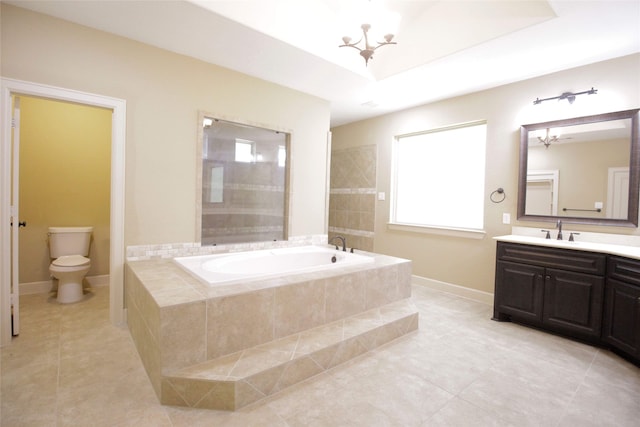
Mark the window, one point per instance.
(245, 150)
(438, 178)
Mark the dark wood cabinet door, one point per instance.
(573, 303)
(622, 317)
(519, 291)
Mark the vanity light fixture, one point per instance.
(569, 96)
(548, 138)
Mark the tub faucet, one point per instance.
(559, 227)
(342, 239)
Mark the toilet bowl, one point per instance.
(69, 248)
(70, 271)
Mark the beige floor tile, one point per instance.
(531, 392)
(608, 368)
(71, 367)
(458, 412)
(108, 402)
(33, 403)
(598, 403)
(261, 416)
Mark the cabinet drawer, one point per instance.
(625, 269)
(565, 259)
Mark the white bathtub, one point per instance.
(227, 268)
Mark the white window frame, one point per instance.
(473, 228)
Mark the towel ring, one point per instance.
(498, 191)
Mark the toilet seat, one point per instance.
(71, 261)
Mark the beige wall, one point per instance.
(65, 166)
(467, 262)
(164, 92)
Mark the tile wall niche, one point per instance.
(352, 195)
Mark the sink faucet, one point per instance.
(342, 239)
(559, 227)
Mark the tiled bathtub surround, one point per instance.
(246, 376)
(352, 215)
(353, 195)
(194, 339)
(171, 250)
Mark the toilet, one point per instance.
(69, 249)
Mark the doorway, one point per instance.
(64, 171)
(8, 295)
(542, 193)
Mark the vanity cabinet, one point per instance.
(560, 290)
(622, 306)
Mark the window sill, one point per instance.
(442, 231)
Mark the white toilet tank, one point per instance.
(69, 241)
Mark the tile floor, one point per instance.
(70, 367)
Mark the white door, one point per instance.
(15, 217)
(618, 196)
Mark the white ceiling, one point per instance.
(445, 48)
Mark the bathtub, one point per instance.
(228, 268)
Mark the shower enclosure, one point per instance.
(244, 183)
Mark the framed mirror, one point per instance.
(243, 191)
(581, 170)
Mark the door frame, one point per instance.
(11, 87)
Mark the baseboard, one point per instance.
(472, 294)
(102, 280)
(35, 287)
(45, 286)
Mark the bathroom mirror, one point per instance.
(581, 170)
(244, 182)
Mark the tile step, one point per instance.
(236, 380)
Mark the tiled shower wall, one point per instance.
(253, 204)
(353, 196)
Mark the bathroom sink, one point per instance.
(630, 251)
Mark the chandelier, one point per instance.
(367, 50)
(548, 138)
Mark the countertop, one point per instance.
(606, 248)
